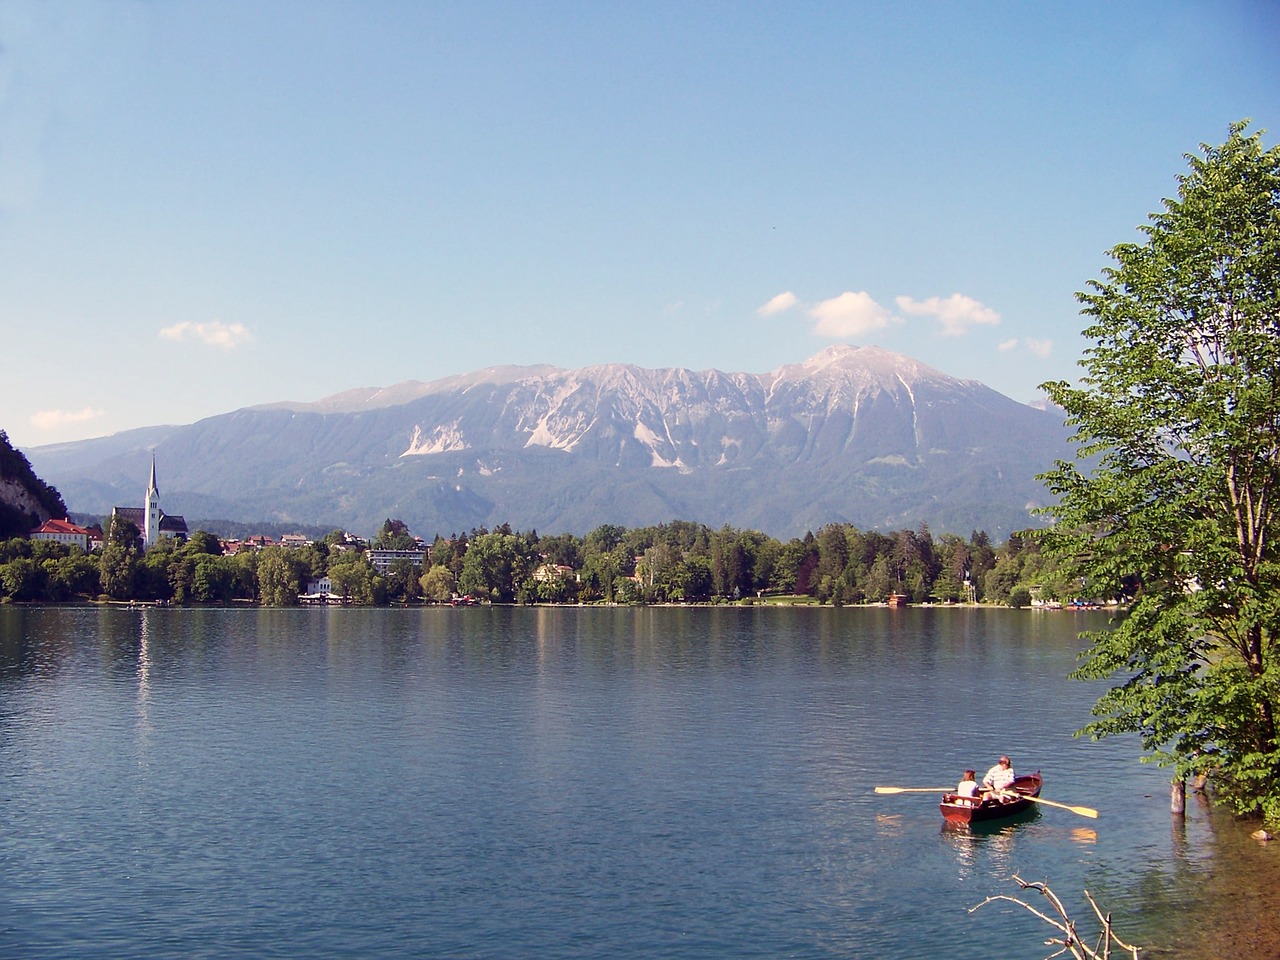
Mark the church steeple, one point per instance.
(151, 505)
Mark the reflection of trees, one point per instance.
(1226, 886)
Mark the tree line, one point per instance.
(677, 562)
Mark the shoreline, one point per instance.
(785, 602)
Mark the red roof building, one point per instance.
(63, 531)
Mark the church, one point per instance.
(152, 522)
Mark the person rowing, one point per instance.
(998, 780)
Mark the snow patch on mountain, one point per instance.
(446, 438)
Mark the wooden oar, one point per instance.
(915, 789)
(1083, 811)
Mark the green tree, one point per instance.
(279, 580)
(213, 580)
(153, 575)
(14, 548)
(401, 582)
(118, 565)
(495, 566)
(982, 559)
(351, 574)
(394, 535)
(600, 574)
(438, 583)
(203, 542)
(77, 574)
(244, 574)
(880, 582)
(23, 579)
(604, 538)
(564, 550)
(693, 579)
(1173, 494)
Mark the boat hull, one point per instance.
(956, 809)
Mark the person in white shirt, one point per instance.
(968, 788)
(999, 778)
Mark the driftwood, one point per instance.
(1069, 942)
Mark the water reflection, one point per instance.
(1084, 835)
(987, 848)
(407, 779)
(144, 682)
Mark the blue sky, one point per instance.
(208, 205)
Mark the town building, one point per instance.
(549, 572)
(64, 531)
(152, 522)
(384, 560)
(320, 588)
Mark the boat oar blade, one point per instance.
(1082, 811)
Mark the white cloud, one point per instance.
(849, 315)
(54, 419)
(1007, 345)
(215, 333)
(779, 304)
(1041, 348)
(956, 312)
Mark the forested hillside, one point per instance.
(26, 501)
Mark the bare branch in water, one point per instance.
(1069, 941)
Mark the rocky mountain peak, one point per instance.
(855, 433)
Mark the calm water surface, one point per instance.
(545, 783)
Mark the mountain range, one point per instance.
(854, 434)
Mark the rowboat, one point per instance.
(958, 809)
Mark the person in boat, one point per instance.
(998, 779)
(968, 787)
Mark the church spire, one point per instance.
(151, 510)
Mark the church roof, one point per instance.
(172, 524)
(138, 517)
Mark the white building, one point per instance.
(383, 560)
(152, 522)
(62, 531)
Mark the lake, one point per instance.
(561, 783)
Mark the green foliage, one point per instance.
(280, 577)
(75, 574)
(204, 542)
(352, 576)
(1171, 500)
(118, 562)
(677, 562)
(394, 535)
(495, 567)
(22, 579)
(438, 584)
(15, 467)
(401, 583)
